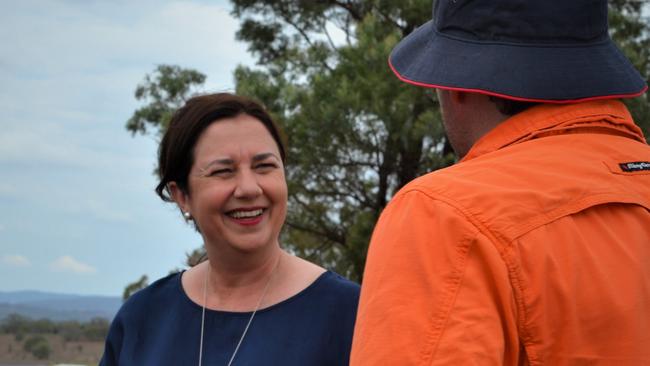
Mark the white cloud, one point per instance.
(16, 261)
(68, 264)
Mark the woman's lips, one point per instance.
(246, 217)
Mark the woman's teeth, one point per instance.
(245, 214)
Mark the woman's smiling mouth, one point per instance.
(250, 216)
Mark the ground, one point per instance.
(83, 353)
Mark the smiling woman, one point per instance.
(250, 303)
(236, 193)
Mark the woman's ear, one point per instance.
(179, 196)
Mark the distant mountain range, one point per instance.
(37, 305)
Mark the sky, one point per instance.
(78, 213)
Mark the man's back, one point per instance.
(535, 250)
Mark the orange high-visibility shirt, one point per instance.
(533, 250)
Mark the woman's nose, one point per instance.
(247, 184)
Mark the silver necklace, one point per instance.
(250, 320)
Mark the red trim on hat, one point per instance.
(480, 91)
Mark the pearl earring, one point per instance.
(187, 215)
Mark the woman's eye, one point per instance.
(220, 172)
(265, 166)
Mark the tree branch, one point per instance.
(354, 13)
(329, 38)
(390, 20)
(305, 36)
(330, 236)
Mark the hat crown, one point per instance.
(523, 21)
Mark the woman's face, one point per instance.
(237, 189)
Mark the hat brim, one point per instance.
(539, 73)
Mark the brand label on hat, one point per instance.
(635, 166)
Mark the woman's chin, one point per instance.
(245, 245)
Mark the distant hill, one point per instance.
(37, 305)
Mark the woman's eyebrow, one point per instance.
(228, 161)
(264, 156)
(224, 161)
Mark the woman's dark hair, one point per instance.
(176, 150)
(510, 107)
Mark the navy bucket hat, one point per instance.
(553, 51)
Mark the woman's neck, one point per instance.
(239, 285)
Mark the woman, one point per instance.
(251, 303)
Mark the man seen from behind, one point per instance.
(534, 249)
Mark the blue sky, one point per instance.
(78, 212)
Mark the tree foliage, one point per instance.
(164, 91)
(71, 330)
(133, 287)
(356, 133)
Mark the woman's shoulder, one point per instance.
(310, 280)
(333, 290)
(332, 281)
(161, 291)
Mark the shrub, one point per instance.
(38, 346)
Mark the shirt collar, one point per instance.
(608, 115)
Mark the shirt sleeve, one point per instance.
(113, 343)
(435, 290)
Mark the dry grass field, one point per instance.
(83, 353)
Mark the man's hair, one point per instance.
(510, 107)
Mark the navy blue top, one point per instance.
(160, 325)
